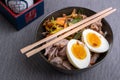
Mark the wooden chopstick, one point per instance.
(68, 33)
(29, 47)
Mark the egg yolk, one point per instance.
(93, 40)
(79, 51)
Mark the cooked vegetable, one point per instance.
(75, 20)
(60, 21)
(78, 35)
(54, 25)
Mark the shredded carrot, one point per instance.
(65, 25)
(60, 20)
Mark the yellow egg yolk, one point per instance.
(78, 50)
(93, 40)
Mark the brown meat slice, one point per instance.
(62, 52)
(57, 55)
(94, 27)
(47, 50)
(67, 65)
(97, 26)
(56, 60)
(98, 23)
(51, 54)
(52, 51)
(94, 58)
(56, 52)
(61, 43)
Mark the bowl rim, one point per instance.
(76, 70)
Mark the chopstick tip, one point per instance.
(110, 8)
(115, 9)
(22, 51)
(27, 55)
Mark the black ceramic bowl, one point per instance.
(88, 12)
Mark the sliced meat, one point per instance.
(56, 61)
(62, 52)
(97, 26)
(47, 50)
(94, 58)
(52, 53)
(99, 23)
(56, 52)
(94, 27)
(61, 43)
(57, 55)
(67, 65)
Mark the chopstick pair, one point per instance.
(67, 31)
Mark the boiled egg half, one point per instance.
(78, 54)
(95, 41)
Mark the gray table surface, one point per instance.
(15, 66)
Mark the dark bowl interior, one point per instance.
(88, 12)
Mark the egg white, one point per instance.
(104, 46)
(78, 63)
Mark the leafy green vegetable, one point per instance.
(78, 35)
(76, 20)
